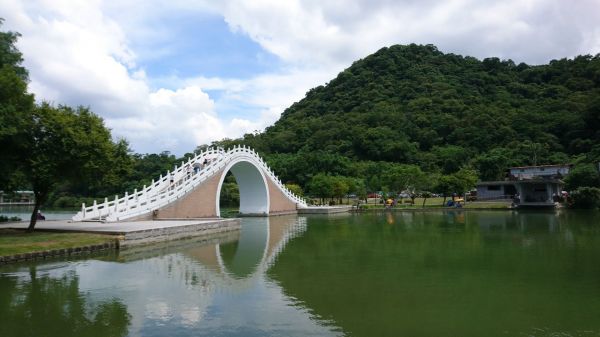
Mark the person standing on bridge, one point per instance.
(188, 171)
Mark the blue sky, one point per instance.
(202, 44)
(169, 76)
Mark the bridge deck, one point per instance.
(139, 232)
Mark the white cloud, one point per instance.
(338, 32)
(180, 119)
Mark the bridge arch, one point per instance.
(193, 190)
(252, 184)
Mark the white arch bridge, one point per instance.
(192, 190)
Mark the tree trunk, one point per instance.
(40, 197)
(424, 200)
(33, 220)
(444, 202)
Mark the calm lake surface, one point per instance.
(24, 212)
(438, 273)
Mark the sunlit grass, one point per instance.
(13, 241)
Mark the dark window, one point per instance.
(493, 187)
(510, 190)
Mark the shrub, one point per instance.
(66, 202)
(585, 197)
(4, 218)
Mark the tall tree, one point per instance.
(15, 105)
(64, 144)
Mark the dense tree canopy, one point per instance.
(15, 104)
(414, 105)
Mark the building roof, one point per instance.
(536, 166)
(498, 182)
(516, 182)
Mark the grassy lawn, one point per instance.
(13, 241)
(488, 204)
(438, 202)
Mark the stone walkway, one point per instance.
(113, 227)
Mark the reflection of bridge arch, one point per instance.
(193, 190)
(187, 283)
(241, 258)
(260, 241)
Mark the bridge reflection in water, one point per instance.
(260, 241)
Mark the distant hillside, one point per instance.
(416, 105)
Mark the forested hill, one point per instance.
(416, 105)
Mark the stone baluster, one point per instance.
(95, 209)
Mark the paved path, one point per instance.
(111, 227)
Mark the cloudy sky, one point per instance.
(171, 75)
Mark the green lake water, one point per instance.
(435, 273)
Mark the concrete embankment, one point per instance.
(127, 234)
(324, 209)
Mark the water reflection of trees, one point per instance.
(54, 306)
(447, 273)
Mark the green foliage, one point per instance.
(10, 56)
(295, 188)
(321, 185)
(4, 218)
(230, 193)
(15, 105)
(459, 182)
(65, 145)
(585, 197)
(414, 105)
(492, 164)
(582, 175)
(400, 178)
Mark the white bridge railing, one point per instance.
(176, 184)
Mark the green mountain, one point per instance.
(416, 105)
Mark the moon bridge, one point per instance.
(192, 190)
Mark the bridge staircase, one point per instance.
(175, 185)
